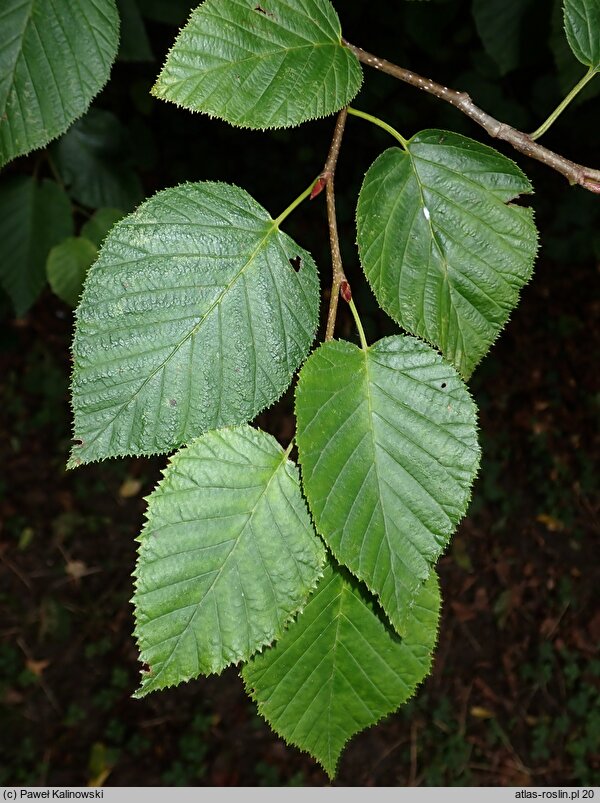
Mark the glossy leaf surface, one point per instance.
(582, 24)
(444, 250)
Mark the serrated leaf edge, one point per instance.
(469, 497)
(375, 609)
(140, 693)
(155, 90)
(86, 108)
(73, 460)
(531, 191)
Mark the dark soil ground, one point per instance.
(514, 698)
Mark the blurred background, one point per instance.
(514, 697)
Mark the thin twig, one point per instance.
(327, 179)
(586, 177)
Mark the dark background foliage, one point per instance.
(514, 697)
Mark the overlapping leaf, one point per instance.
(388, 448)
(33, 218)
(94, 159)
(67, 266)
(227, 556)
(444, 250)
(582, 24)
(261, 65)
(338, 669)
(100, 223)
(54, 57)
(192, 318)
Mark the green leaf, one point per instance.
(499, 27)
(100, 223)
(33, 218)
(338, 669)
(582, 25)
(192, 318)
(228, 555)
(444, 250)
(267, 65)
(54, 58)
(67, 267)
(387, 443)
(568, 68)
(94, 159)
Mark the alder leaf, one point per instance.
(444, 250)
(338, 669)
(228, 555)
(387, 444)
(33, 218)
(67, 266)
(192, 319)
(271, 64)
(582, 25)
(55, 57)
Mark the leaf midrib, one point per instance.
(19, 53)
(229, 65)
(365, 352)
(444, 264)
(243, 530)
(193, 331)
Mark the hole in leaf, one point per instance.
(262, 10)
(443, 385)
(77, 442)
(519, 200)
(296, 263)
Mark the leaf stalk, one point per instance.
(381, 124)
(288, 211)
(361, 331)
(563, 105)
